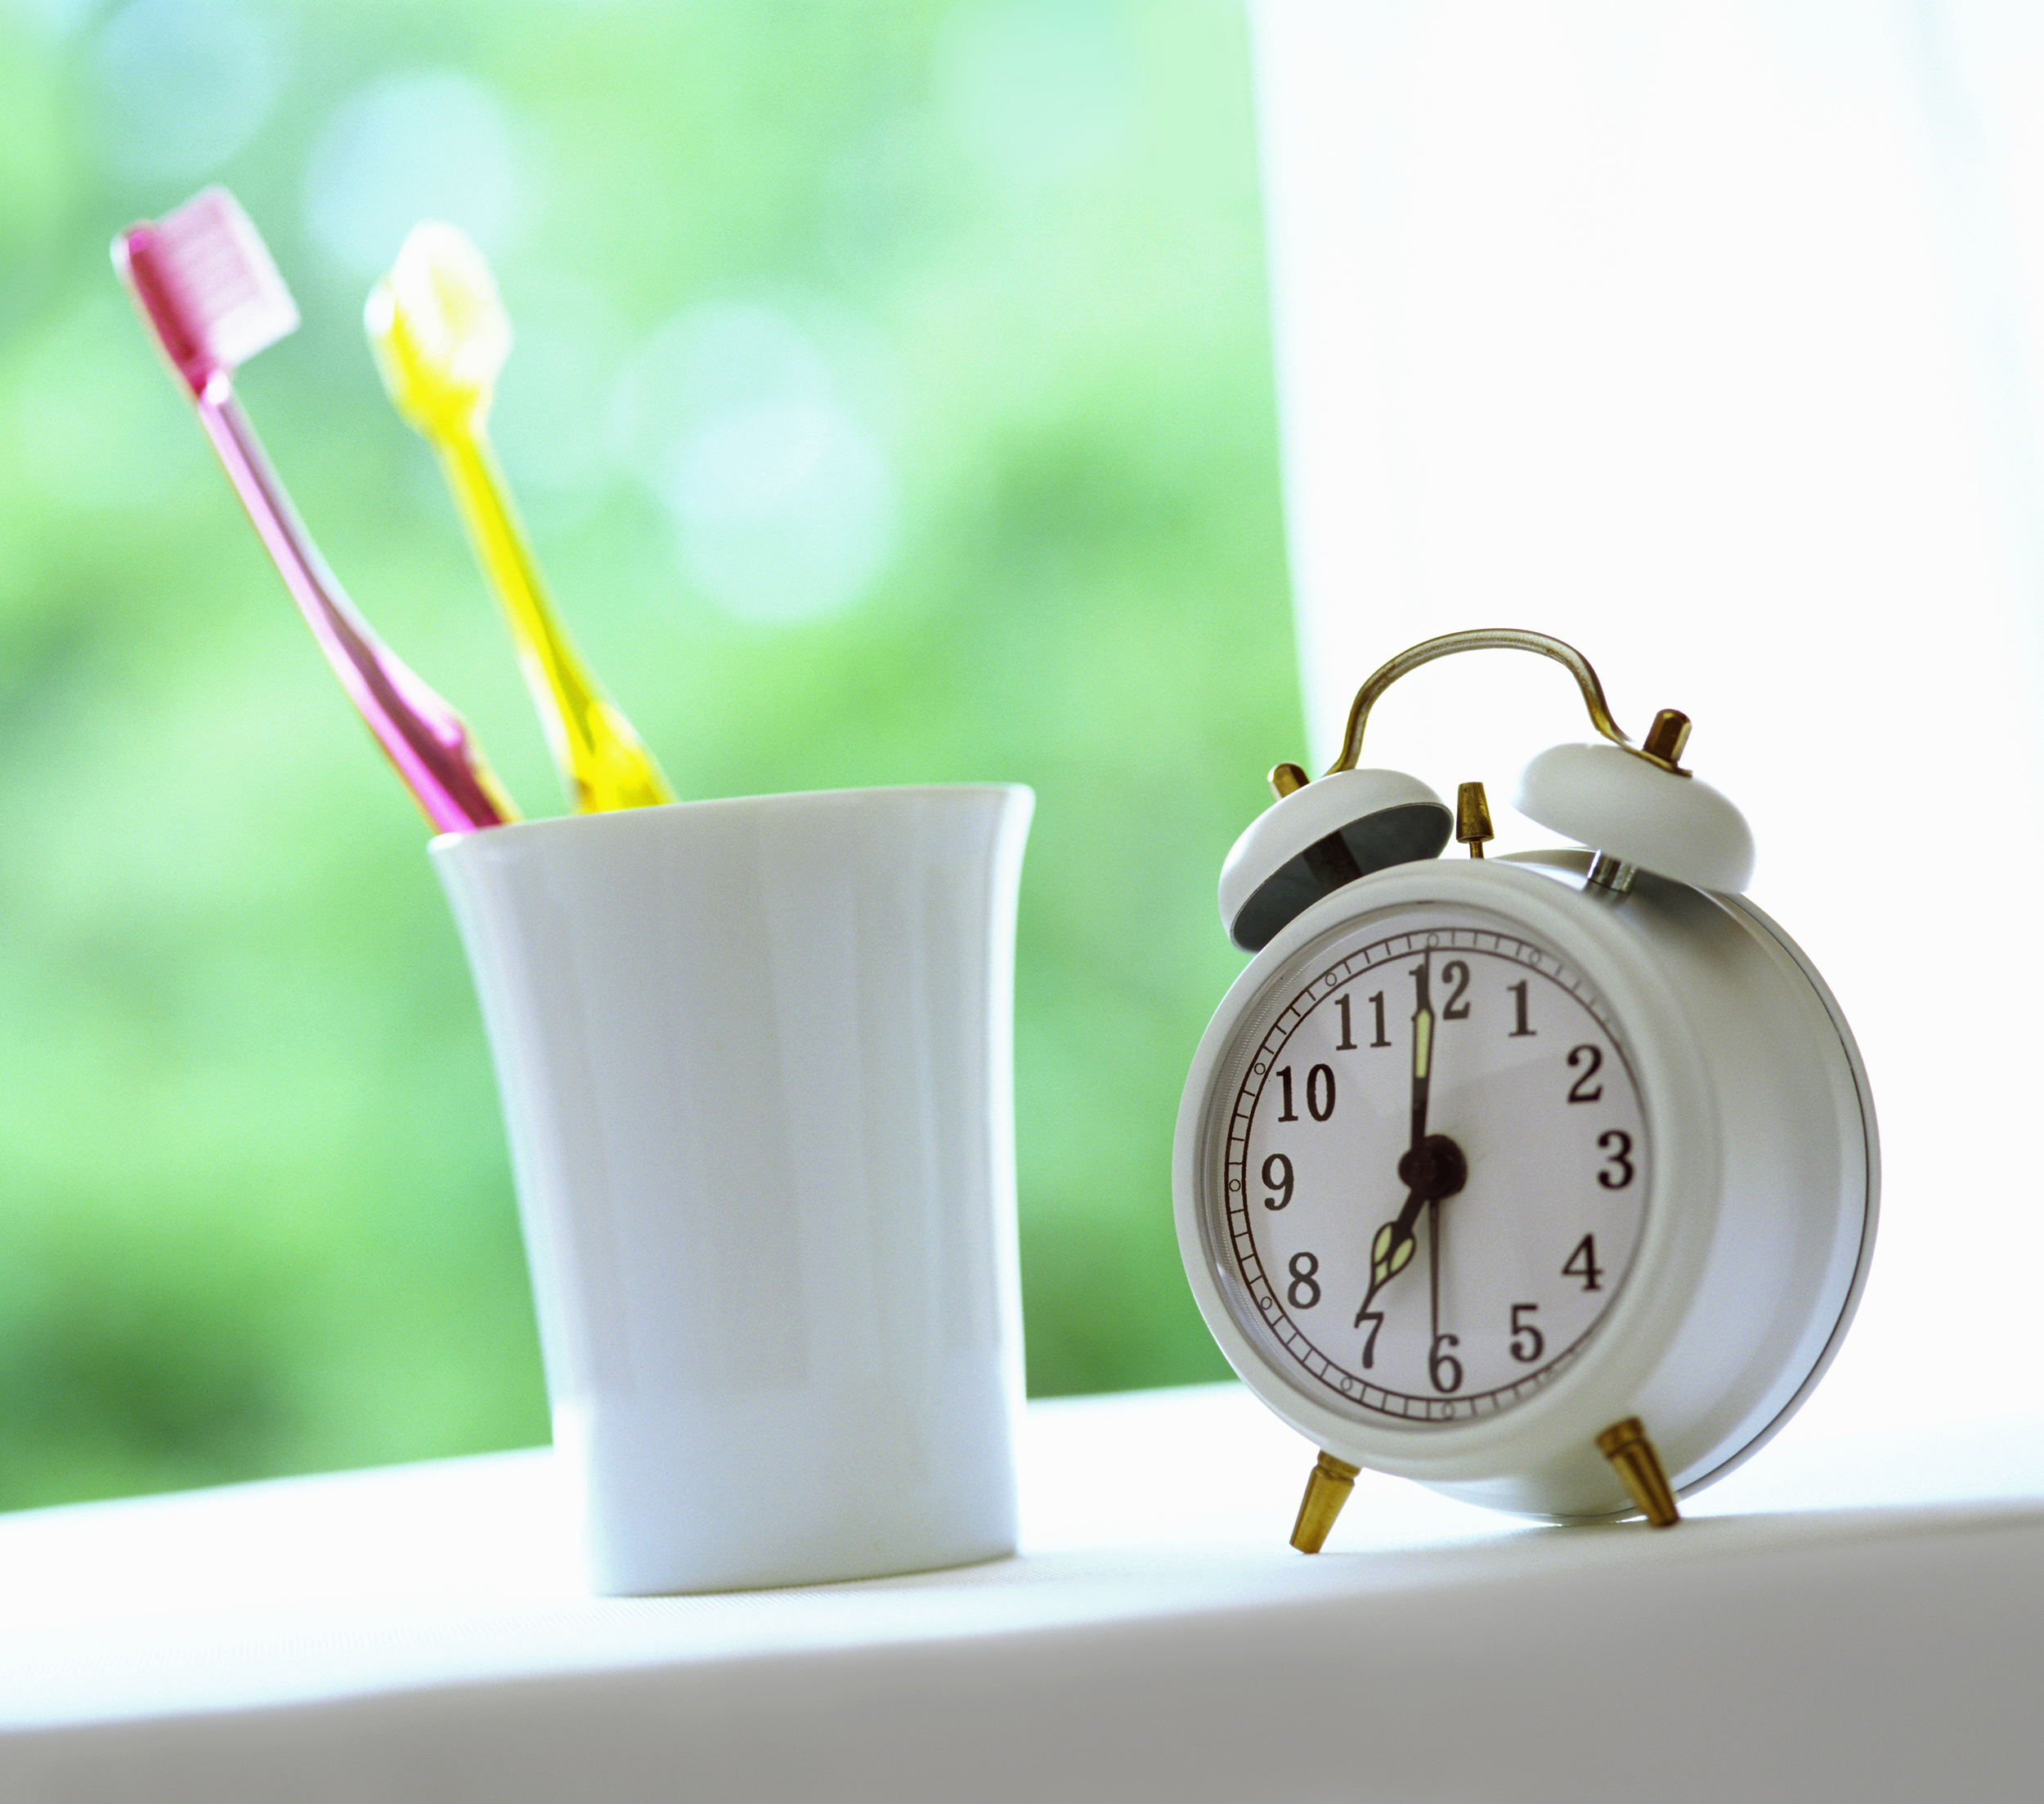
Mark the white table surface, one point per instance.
(1848, 1617)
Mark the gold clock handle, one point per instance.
(1481, 639)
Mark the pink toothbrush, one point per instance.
(204, 282)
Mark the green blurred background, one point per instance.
(892, 404)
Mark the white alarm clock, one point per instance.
(1548, 1180)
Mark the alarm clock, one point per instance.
(1548, 1181)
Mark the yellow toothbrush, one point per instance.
(440, 335)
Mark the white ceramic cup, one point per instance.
(755, 1059)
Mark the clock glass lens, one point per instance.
(1435, 1167)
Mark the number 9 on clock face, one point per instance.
(1435, 1166)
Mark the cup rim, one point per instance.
(611, 820)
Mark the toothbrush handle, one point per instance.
(603, 759)
(423, 736)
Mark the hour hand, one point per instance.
(1393, 1250)
(1435, 1170)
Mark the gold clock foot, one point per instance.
(1626, 1445)
(1327, 1489)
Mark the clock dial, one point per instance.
(1436, 1167)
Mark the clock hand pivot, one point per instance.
(1435, 1169)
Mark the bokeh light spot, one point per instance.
(181, 85)
(786, 509)
(548, 417)
(420, 145)
(1038, 91)
(783, 502)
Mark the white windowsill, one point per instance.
(395, 1630)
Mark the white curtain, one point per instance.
(1709, 337)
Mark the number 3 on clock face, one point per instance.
(1436, 1167)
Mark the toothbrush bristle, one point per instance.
(445, 299)
(207, 283)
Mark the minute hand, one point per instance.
(1421, 1065)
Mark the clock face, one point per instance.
(1435, 1166)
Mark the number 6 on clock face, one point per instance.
(1525, 1076)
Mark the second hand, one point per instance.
(1433, 1270)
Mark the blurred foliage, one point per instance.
(992, 271)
